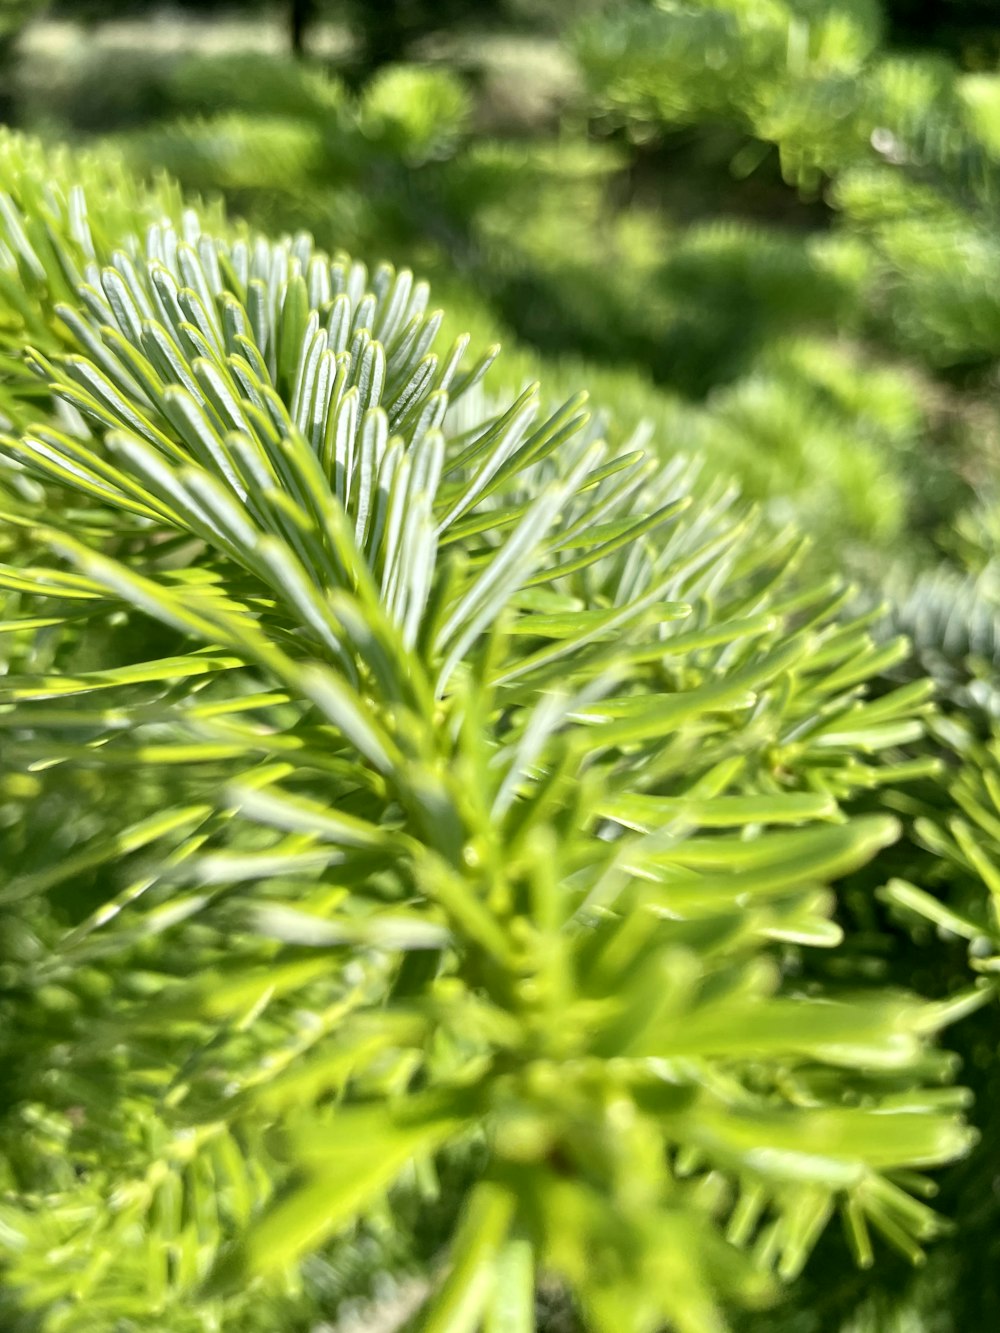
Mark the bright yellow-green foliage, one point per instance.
(399, 775)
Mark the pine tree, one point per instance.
(403, 785)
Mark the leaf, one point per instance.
(507, 570)
(644, 718)
(163, 670)
(774, 861)
(472, 1274)
(393, 933)
(631, 534)
(866, 1034)
(102, 850)
(350, 1159)
(645, 813)
(512, 1306)
(341, 706)
(901, 894)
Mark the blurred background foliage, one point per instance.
(773, 223)
(766, 229)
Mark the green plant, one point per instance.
(420, 780)
(906, 143)
(929, 918)
(537, 233)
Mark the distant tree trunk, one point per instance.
(8, 106)
(387, 27)
(300, 16)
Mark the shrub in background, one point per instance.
(530, 231)
(907, 141)
(580, 248)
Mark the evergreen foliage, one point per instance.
(597, 249)
(526, 235)
(407, 791)
(908, 143)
